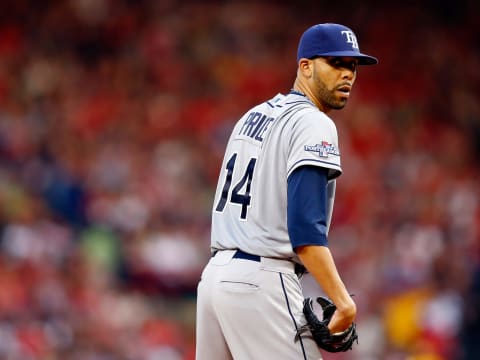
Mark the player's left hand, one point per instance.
(337, 342)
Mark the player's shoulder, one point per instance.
(306, 113)
(300, 106)
(314, 115)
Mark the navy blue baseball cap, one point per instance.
(331, 40)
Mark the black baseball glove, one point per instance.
(319, 329)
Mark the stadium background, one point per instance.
(113, 119)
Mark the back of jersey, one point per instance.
(266, 145)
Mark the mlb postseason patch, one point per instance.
(324, 149)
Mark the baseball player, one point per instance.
(272, 212)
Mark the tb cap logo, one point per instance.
(351, 39)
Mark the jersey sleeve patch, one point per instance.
(324, 149)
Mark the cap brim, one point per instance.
(367, 60)
(363, 59)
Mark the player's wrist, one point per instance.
(342, 319)
(347, 308)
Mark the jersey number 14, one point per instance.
(236, 197)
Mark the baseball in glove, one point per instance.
(320, 333)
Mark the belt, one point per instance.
(239, 254)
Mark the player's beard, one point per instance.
(328, 97)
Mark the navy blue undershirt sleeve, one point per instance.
(307, 206)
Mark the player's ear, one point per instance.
(305, 66)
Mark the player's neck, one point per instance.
(300, 89)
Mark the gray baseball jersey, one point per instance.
(267, 144)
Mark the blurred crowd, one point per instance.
(113, 120)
